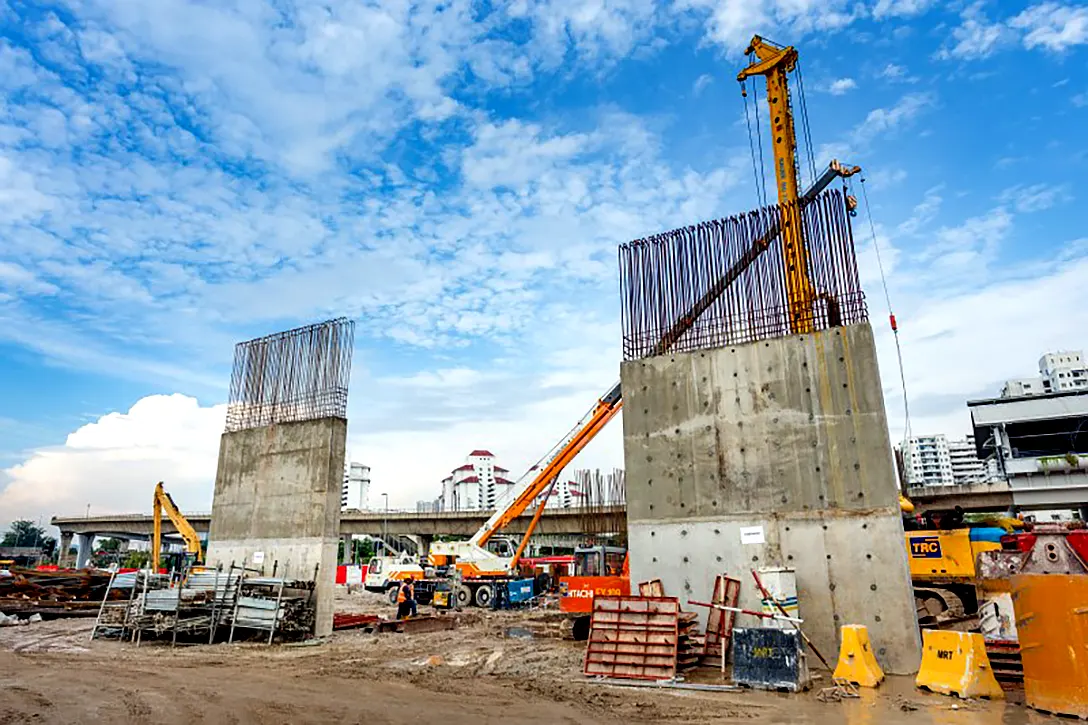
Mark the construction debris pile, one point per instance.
(206, 605)
(54, 593)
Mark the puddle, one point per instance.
(519, 633)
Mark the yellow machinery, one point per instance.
(774, 63)
(193, 548)
(943, 556)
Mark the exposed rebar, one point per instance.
(723, 282)
(296, 375)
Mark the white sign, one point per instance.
(751, 535)
(258, 556)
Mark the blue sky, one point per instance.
(177, 176)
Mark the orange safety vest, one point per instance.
(402, 593)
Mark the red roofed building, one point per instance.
(476, 485)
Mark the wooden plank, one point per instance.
(652, 588)
(719, 624)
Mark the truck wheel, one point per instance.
(464, 596)
(391, 594)
(483, 596)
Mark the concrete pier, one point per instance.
(774, 453)
(277, 499)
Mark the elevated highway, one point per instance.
(425, 526)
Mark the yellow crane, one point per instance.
(774, 63)
(163, 502)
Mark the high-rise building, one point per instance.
(966, 466)
(478, 484)
(927, 461)
(934, 460)
(1059, 372)
(356, 489)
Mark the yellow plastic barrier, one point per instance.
(856, 661)
(955, 663)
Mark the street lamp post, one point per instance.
(385, 522)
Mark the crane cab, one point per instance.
(598, 570)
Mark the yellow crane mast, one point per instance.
(774, 63)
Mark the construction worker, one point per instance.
(406, 599)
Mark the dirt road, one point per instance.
(51, 673)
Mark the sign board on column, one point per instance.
(752, 535)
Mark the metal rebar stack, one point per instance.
(295, 375)
(601, 495)
(723, 282)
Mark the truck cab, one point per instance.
(384, 573)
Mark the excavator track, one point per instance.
(937, 606)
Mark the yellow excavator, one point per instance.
(194, 551)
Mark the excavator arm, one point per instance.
(163, 502)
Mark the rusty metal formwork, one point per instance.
(723, 282)
(633, 638)
(295, 375)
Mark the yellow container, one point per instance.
(1052, 623)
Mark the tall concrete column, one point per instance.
(63, 546)
(424, 541)
(277, 493)
(772, 454)
(347, 558)
(85, 544)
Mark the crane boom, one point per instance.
(774, 63)
(525, 493)
(163, 502)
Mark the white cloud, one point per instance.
(900, 8)
(886, 178)
(841, 86)
(965, 344)
(701, 83)
(923, 213)
(732, 23)
(1080, 100)
(1053, 26)
(1035, 197)
(115, 462)
(21, 281)
(879, 122)
(975, 37)
(896, 74)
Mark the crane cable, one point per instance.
(891, 315)
(757, 169)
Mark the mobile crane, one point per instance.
(194, 551)
(477, 565)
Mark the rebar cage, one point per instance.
(295, 375)
(723, 282)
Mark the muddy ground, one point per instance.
(495, 667)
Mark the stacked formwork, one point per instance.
(751, 444)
